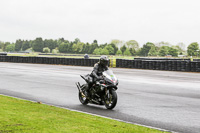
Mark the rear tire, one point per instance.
(83, 99)
(111, 102)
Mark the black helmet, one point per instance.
(104, 60)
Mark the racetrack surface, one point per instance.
(162, 99)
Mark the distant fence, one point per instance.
(139, 63)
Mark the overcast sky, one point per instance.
(171, 21)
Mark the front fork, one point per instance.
(107, 94)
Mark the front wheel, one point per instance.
(110, 100)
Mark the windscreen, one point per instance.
(110, 75)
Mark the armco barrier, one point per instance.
(154, 64)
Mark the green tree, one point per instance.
(81, 47)
(31, 43)
(138, 52)
(192, 49)
(1, 43)
(164, 51)
(18, 45)
(25, 45)
(145, 49)
(93, 46)
(10, 47)
(104, 52)
(51, 44)
(95, 41)
(86, 48)
(59, 41)
(153, 51)
(117, 43)
(4, 45)
(78, 47)
(76, 40)
(127, 52)
(132, 51)
(64, 47)
(100, 51)
(123, 49)
(103, 45)
(115, 47)
(75, 48)
(178, 48)
(133, 44)
(173, 51)
(119, 52)
(110, 49)
(38, 44)
(97, 51)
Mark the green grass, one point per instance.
(24, 116)
(66, 56)
(35, 54)
(23, 54)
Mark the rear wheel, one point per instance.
(110, 100)
(83, 99)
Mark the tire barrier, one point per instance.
(49, 60)
(169, 65)
(148, 58)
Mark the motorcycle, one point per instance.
(102, 92)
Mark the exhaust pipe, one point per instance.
(79, 86)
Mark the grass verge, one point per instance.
(66, 56)
(25, 116)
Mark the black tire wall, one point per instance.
(138, 63)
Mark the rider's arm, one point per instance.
(95, 71)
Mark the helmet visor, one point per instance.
(105, 62)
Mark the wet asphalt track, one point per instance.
(162, 99)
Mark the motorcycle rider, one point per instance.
(98, 69)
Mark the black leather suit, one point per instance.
(97, 71)
(96, 75)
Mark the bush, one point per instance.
(55, 51)
(46, 50)
(10, 47)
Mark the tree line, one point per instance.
(115, 47)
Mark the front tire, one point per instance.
(110, 101)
